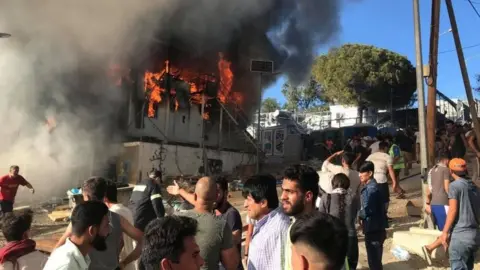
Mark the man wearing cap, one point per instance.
(461, 234)
(146, 200)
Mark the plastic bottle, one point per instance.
(400, 253)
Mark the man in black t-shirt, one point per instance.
(361, 153)
(456, 140)
(230, 213)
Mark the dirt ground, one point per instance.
(42, 227)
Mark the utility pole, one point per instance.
(432, 82)
(421, 96)
(463, 68)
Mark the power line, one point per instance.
(474, 2)
(474, 8)
(466, 47)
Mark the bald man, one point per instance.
(214, 236)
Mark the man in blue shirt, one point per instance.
(461, 234)
(373, 216)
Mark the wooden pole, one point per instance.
(463, 69)
(432, 82)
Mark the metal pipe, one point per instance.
(420, 94)
(202, 133)
(220, 129)
(168, 97)
(258, 125)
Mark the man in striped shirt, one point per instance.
(270, 232)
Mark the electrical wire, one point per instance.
(474, 8)
(466, 47)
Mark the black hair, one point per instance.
(164, 239)
(383, 145)
(155, 173)
(222, 182)
(14, 167)
(367, 166)
(443, 156)
(332, 242)
(15, 225)
(95, 188)
(340, 180)
(448, 121)
(262, 187)
(305, 177)
(86, 214)
(349, 158)
(111, 192)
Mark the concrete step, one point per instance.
(414, 239)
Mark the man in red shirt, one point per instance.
(8, 188)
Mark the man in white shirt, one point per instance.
(90, 228)
(346, 168)
(19, 252)
(112, 204)
(383, 164)
(375, 145)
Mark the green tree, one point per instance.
(363, 75)
(270, 105)
(305, 97)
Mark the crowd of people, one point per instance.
(311, 224)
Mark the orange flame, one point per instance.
(226, 79)
(197, 84)
(156, 91)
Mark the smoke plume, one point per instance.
(54, 67)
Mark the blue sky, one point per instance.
(389, 24)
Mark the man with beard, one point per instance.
(299, 193)
(94, 189)
(225, 210)
(89, 231)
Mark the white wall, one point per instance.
(348, 114)
(187, 160)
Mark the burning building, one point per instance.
(187, 118)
